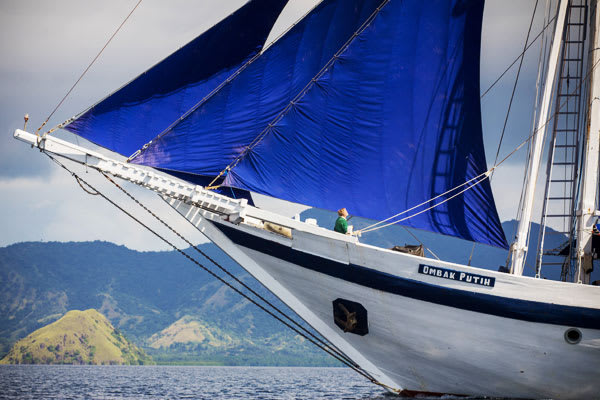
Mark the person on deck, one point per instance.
(341, 225)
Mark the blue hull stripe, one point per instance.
(524, 310)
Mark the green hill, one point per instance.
(188, 330)
(79, 337)
(164, 304)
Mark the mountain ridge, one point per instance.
(158, 298)
(142, 293)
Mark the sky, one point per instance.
(46, 45)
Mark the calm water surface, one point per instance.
(171, 382)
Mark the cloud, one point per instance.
(56, 209)
(46, 45)
(504, 32)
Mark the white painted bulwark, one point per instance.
(310, 243)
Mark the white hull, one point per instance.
(432, 348)
(423, 345)
(489, 334)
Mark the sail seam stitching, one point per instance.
(217, 89)
(299, 96)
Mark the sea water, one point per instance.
(175, 382)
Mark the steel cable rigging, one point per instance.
(297, 328)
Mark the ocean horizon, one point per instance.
(182, 382)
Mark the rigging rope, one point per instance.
(514, 89)
(518, 57)
(88, 191)
(332, 351)
(86, 70)
(293, 102)
(371, 228)
(214, 262)
(479, 178)
(218, 88)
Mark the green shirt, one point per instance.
(341, 225)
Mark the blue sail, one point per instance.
(136, 113)
(393, 121)
(211, 136)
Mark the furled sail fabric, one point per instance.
(136, 113)
(394, 121)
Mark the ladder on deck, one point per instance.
(558, 215)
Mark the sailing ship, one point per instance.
(371, 105)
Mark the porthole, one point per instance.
(573, 335)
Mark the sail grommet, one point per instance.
(573, 336)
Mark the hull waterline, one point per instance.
(425, 334)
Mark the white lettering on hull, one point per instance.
(466, 277)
